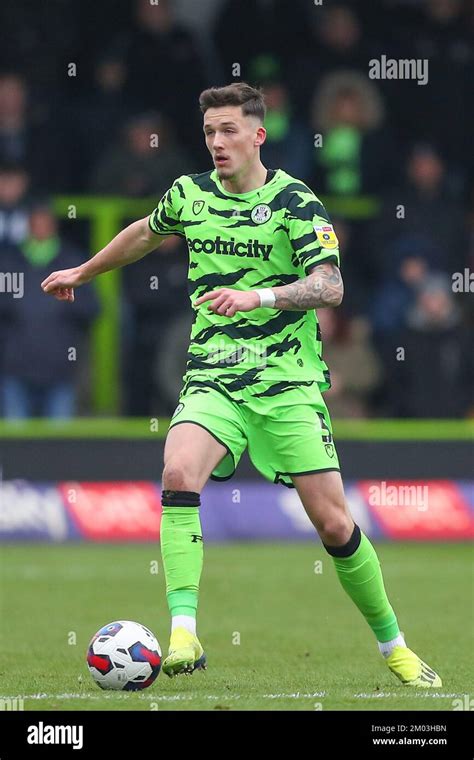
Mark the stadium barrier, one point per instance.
(242, 511)
(95, 480)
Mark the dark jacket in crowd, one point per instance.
(433, 228)
(39, 330)
(436, 378)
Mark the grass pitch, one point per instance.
(278, 630)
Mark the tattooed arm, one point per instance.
(322, 287)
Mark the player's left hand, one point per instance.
(227, 301)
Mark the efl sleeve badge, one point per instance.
(326, 235)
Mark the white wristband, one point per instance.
(267, 297)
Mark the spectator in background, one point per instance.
(354, 367)
(357, 153)
(31, 138)
(435, 375)
(98, 116)
(421, 215)
(289, 143)
(397, 293)
(42, 42)
(391, 303)
(14, 183)
(358, 284)
(12, 117)
(340, 36)
(330, 40)
(165, 70)
(254, 28)
(155, 289)
(144, 162)
(443, 38)
(44, 337)
(421, 229)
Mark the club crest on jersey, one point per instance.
(326, 235)
(198, 207)
(261, 213)
(329, 449)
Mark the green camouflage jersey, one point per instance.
(264, 238)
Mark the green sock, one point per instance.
(361, 577)
(182, 555)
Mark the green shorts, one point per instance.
(286, 426)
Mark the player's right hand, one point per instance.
(61, 284)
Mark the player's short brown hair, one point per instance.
(241, 94)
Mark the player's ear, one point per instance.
(260, 136)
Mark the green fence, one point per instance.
(107, 216)
(155, 428)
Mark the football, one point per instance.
(124, 656)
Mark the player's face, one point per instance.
(232, 140)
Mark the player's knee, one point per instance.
(177, 476)
(336, 529)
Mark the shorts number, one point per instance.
(327, 435)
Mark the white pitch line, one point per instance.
(189, 697)
(413, 695)
(166, 697)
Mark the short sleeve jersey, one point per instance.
(264, 238)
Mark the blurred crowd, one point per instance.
(82, 90)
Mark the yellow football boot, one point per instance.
(185, 653)
(412, 671)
